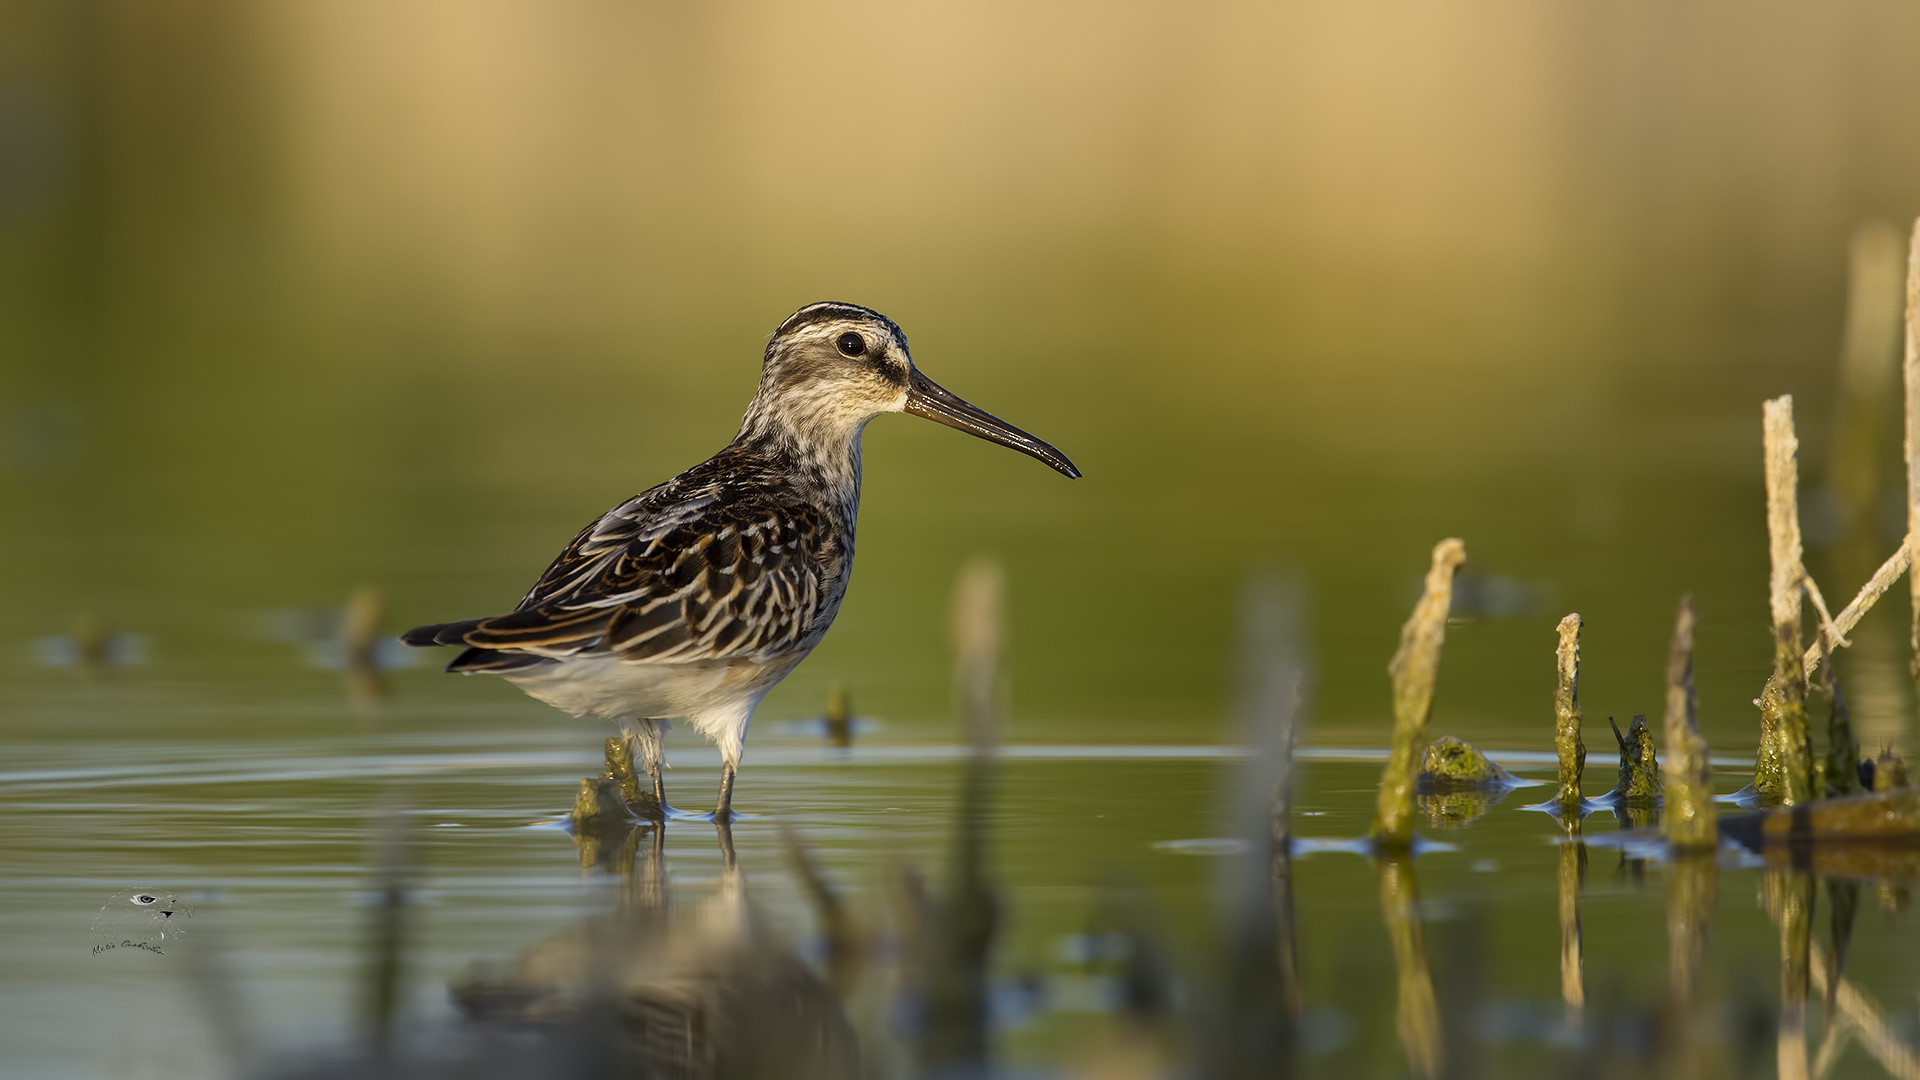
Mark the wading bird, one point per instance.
(692, 599)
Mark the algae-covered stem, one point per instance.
(1911, 367)
(1566, 715)
(1414, 668)
(1839, 771)
(1688, 818)
(1783, 771)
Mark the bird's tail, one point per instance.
(446, 633)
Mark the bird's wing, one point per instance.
(682, 572)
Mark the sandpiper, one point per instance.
(692, 599)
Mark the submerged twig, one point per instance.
(1783, 769)
(1688, 818)
(1415, 667)
(1566, 714)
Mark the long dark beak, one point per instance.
(929, 399)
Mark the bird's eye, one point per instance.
(852, 344)
(145, 899)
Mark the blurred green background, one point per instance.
(303, 296)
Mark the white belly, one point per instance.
(717, 697)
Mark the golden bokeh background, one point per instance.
(306, 295)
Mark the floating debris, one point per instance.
(337, 639)
(1886, 772)
(92, 646)
(1495, 596)
(1888, 815)
(1452, 765)
(1457, 783)
(838, 724)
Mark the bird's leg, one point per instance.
(732, 743)
(723, 812)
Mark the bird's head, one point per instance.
(832, 367)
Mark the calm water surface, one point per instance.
(270, 842)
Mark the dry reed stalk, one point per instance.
(1566, 714)
(1911, 368)
(1783, 772)
(1415, 667)
(1834, 634)
(1688, 818)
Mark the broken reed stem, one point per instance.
(1834, 635)
(1566, 713)
(1911, 368)
(1415, 667)
(1688, 817)
(1783, 772)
